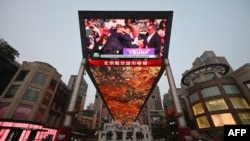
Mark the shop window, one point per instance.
(39, 78)
(198, 109)
(217, 104)
(231, 89)
(222, 119)
(239, 103)
(193, 97)
(22, 74)
(12, 91)
(210, 91)
(202, 122)
(244, 117)
(31, 94)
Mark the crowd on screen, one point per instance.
(110, 36)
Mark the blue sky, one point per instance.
(48, 31)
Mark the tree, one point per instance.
(7, 50)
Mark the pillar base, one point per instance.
(63, 134)
(184, 134)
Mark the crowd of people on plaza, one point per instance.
(110, 36)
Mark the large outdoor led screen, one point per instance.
(125, 51)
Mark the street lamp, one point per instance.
(184, 131)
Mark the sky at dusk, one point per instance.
(48, 31)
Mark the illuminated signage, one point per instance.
(125, 50)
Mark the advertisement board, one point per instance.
(125, 52)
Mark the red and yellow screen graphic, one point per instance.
(125, 89)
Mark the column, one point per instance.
(183, 130)
(64, 132)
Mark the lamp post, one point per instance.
(66, 129)
(72, 104)
(183, 130)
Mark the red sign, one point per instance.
(109, 62)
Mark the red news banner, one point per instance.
(237, 132)
(129, 62)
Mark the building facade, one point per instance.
(215, 96)
(34, 103)
(152, 114)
